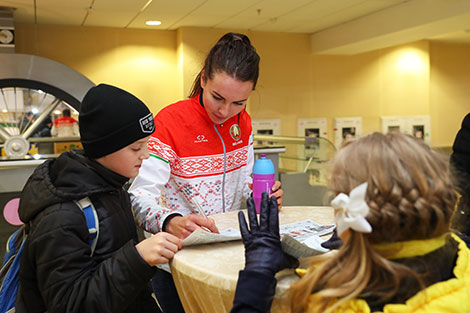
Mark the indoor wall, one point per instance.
(450, 90)
(370, 85)
(159, 67)
(141, 61)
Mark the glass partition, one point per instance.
(303, 168)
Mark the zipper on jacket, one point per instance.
(225, 168)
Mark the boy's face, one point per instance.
(127, 161)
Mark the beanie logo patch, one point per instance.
(147, 124)
(235, 132)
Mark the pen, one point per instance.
(201, 212)
(198, 207)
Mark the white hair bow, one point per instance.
(352, 210)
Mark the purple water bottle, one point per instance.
(263, 179)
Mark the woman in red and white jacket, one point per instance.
(201, 151)
(193, 159)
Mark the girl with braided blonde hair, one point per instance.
(408, 259)
(393, 206)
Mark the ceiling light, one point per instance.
(153, 23)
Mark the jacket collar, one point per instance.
(111, 177)
(410, 248)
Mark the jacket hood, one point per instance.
(71, 176)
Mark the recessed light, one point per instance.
(153, 23)
(411, 61)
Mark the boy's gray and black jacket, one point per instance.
(57, 273)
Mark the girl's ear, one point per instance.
(203, 79)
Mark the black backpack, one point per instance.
(9, 274)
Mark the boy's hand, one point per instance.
(183, 226)
(159, 249)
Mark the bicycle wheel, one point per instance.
(33, 90)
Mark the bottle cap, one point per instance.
(263, 166)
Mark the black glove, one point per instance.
(263, 252)
(334, 242)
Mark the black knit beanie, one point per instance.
(110, 119)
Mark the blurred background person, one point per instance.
(65, 126)
(44, 130)
(28, 119)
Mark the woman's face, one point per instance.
(224, 96)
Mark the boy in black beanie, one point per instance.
(59, 270)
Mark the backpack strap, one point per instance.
(9, 274)
(92, 221)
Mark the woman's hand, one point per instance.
(277, 192)
(159, 249)
(183, 226)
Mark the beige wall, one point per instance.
(369, 85)
(143, 62)
(450, 90)
(195, 43)
(159, 67)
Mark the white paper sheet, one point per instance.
(301, 249)
(200, 236)
(299, 239)
(302, 239)
(304, 229)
